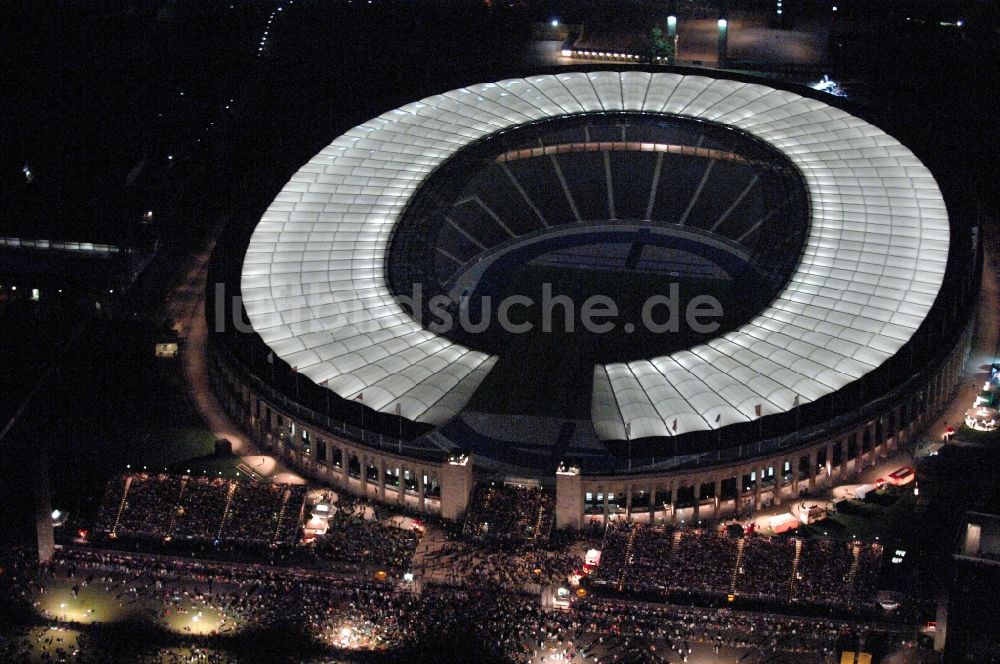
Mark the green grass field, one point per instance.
(550, 372)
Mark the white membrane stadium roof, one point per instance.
(314, 287)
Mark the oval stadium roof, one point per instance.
(314, 288)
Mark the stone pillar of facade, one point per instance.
(363, 474)
(401, 484)
(756, 488)
(421, 488)
(381, 478)
(673, 501)
(718, 497)
(737, 501)
(456, 486)
(372, 461)
(363, 463)
(813, 460)
(345, 475)
(697, 501)
(779, 481)
(795, 462)
(652, 502)
(569, 498)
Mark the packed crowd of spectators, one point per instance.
(474, 565)
(201, 509)
(510, 513)
(150, 505)
(765, 567)
(615, 550)
(836, 571)
(351, 538)
(326, 614)
(610, 624)
(642, 558)
(703, 561)
(264, 513)
(822, 576)
(868, 568)
(342, 612)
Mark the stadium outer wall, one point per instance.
(373, 464)
(442, 485)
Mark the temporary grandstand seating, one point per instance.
(201, 509)
(641, 558)
(509, 513)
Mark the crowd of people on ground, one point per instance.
(487, 613)
(351, 538)
(678, 627)
(427, 587)
(510, 513)
(458, 562)
(181, 507)
(344, 613)
(642, 558)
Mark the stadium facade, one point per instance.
(852, 295)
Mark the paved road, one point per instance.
(186, 306)
(698, 40)
(984, 349)
(985, 343)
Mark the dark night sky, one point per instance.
(91, 89)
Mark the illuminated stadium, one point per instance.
(825, 242)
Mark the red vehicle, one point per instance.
(902, 476)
